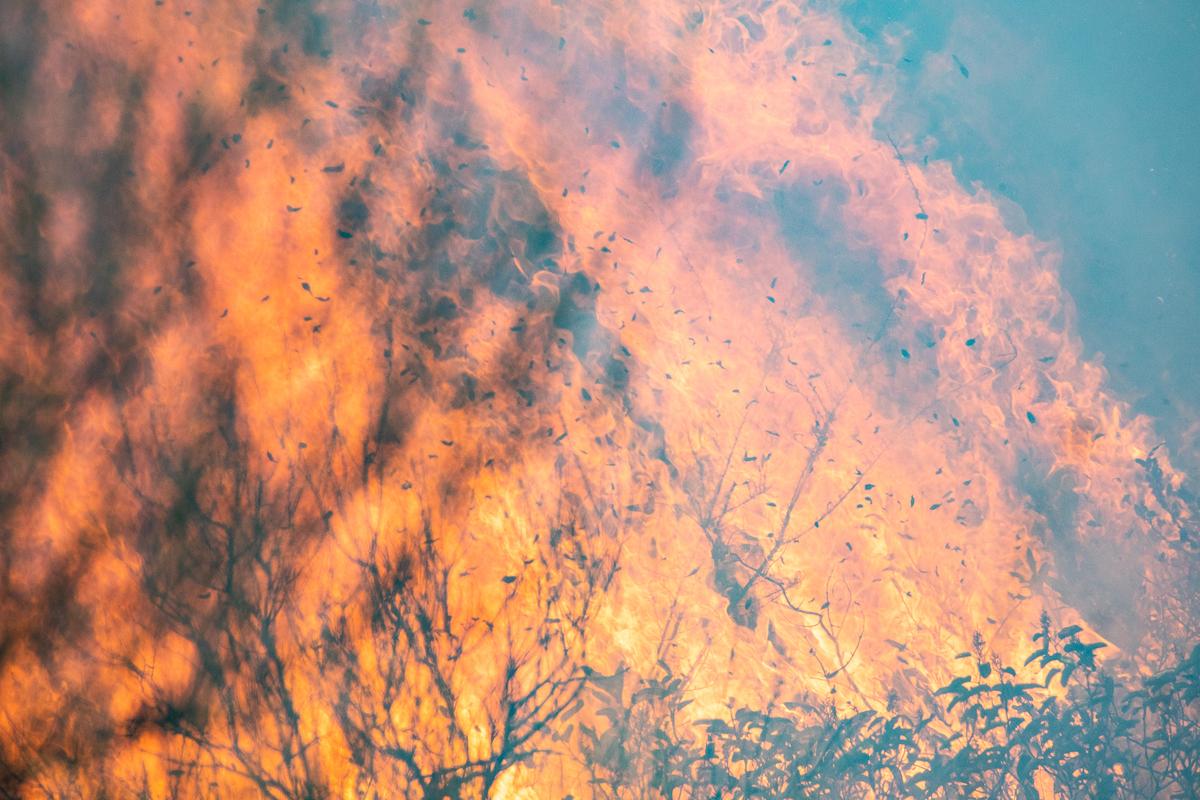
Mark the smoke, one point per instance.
(1081, 122)
(378, 377)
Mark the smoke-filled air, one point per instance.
(547, 399)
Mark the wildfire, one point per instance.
(382, 382)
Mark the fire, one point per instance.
(381, 378)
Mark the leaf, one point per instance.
(1066, 673)
(955, 686)
(715, 725)
(572, 711)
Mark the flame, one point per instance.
(372, 370)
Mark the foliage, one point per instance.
(988, 733)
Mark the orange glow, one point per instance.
(370, 366)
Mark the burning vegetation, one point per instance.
(544, 399)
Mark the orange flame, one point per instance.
(374, 370)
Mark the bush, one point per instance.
(998, 732)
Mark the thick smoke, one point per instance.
(383, 383)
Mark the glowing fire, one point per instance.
(371, 371)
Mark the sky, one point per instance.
(1085, 116)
